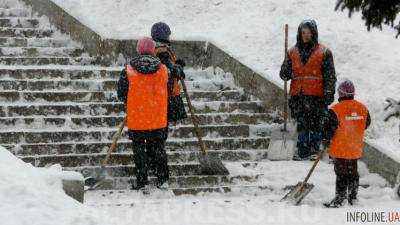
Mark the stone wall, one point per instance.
(378, 162)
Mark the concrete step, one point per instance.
(82, 85)
(18, 22)
(82, 122)
(53, 136)
(8, 4)
(34, 42)
(253, 189)
(25, 32)
(14, 12)
(115, 109)
(40, 52)
(125, 145)
(176, 157)
(105, 96)
(183, 182)
(123, 171)
(64, 72)
(60, 85)
(87, 73)
(25, 61)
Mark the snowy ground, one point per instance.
(252, 31)
(250, 207)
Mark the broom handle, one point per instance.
(312, 169)
(285, 106)
(115, 138)
(194, 119)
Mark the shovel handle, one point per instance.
(197, 130)
(319, 156)
(285, 106)
(115, 138)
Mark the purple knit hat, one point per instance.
(346, 89)
(146, 46)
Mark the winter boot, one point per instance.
(352, 200)
(337, 202)
(163, 185)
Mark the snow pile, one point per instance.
(34, 196)
(252, 31)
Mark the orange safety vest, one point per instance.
(147, 99)
(176, 90)
(348, 141)
(307, 79)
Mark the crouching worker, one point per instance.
(344, 135)
(161, 32)
(143, 86)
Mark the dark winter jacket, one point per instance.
(176, 108)
(331, 123)
(144, 64)
(328, 68)
(165, 55)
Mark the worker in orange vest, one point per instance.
(161, 32)
(143, 87)
(344, 136)
(309, 65)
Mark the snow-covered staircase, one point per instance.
(57, 105)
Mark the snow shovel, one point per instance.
(301, 189)
(282, 146)
(98, 178)
(209, 165)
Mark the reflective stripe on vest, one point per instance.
(147, 99)
(348, 141)
(307, 79)
(176, 90)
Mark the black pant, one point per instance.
(308, 112)
(149, 154)
(347, 178)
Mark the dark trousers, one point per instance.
(308, 143)
(149, 154)
(347, 178)
(308, 112)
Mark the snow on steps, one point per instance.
(14, 12)
(58, 105)
(116, 108)
(124, 145)
(76, 122)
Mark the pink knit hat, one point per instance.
(146, 46)
(346, 89)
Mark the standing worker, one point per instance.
(143, 87)
(161, 32)
(344, 135)
(309, 65)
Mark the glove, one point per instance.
(180, 62)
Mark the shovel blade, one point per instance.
(297, 194)
(212, 165)
(281, 150)
(96, 178)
